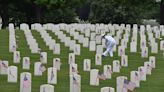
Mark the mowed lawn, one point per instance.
(154, 83)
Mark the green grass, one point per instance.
(154, 83)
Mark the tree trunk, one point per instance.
(162, 12)
(38, 13)
(5, 17)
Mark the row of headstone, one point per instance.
(135, 77)
(68, 42)
(55, 47)
(92, 44)
(87, 29)
(151, 40)
(78, 37)
(133, 43)
(12, 38)
(31, 41)
(10, 71)
(52, 76)
(52, 72)
(140, 75)
(123, 85)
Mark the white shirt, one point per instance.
(109, 40)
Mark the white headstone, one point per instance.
(3, 67)
(98, 59)
(87, 65)
(124, 60)
(12, 74)
(103, 43)
(75, 83)
(142, 73)
(39, 68)
(124, 43)
(108, 71)
(133, 47)
(77, 49)
(148, 67)
(57, 63)
(87, 33)
(98, 39)
(81, 38)
(135, 78)
(120, 84)
(142, 44)
(94, 80)
(52, 75)
(107, 89)
(86, 42)
(76, 35)
(152, 60)
(71, 58)
(93, 36)
(99, 49)
(154, 48)
(121, 50)
(16, 57)
(43, 57)
(144, 52)
(67, 41)
(116, 66)
(56, 49)
(47, 88)
(25, 82)
(26, 63)
(92, 46)
(73, 69)
(162, 45)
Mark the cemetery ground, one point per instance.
(154, 82)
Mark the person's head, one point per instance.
(102, 36)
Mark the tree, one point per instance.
(121, 11)
(4, 7)
(162, 12)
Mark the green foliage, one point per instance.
(65, 15)
(122, 11)
(56, 11)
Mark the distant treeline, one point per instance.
(66, 11)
